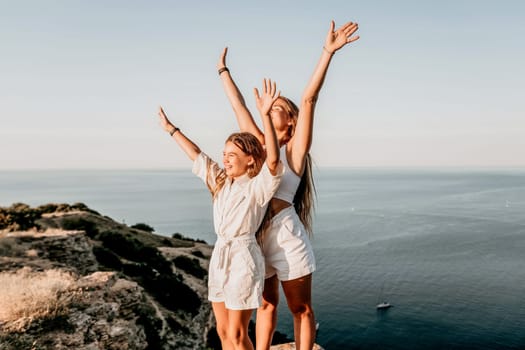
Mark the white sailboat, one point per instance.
(384, 304)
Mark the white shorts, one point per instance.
(286, 247)
(236, 274)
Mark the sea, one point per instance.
(445, 247)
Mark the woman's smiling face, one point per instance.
(236, 162)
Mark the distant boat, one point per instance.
(384, 305)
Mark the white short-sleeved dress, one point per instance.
(236, 273)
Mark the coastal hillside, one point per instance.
(71, 278)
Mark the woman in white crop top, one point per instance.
(241, 192)
(285, 235)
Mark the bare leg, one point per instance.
(238, 329)
(221, 317)
(267, 314)
(299, 297)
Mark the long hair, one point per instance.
(304, 199)
(250, 146)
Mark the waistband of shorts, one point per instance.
(224, 246)
(284, 212)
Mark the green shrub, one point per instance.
(80, 224)
(190, 265)
(107, 258)
(177, 235)
(83, 207)
(168, 288)
(18, 217)
(126, 247)
(166, 242)
(64, 207)
(21, 217)
(48, 208)
(143, 227)
(172, 293)
(198, 254)
(141, 270)
(132, 249)
(154, 258)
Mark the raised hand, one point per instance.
(340, 37)
(264, 103)
(267, 98)
(165, 122)
(222, 59)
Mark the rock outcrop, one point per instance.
(117, 288)
(71, 278)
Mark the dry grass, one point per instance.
(26, 296)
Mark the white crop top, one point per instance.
(289, 181)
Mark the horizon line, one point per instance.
(330, 167)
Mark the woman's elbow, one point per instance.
(273, 166)
(309, 100)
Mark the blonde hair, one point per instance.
(305, 195)
(304, 199)
(250, 146)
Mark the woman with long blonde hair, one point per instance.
(284, 234)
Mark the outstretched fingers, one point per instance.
(337, 38)
(267, 97)
(352, 38)
(347, 25)
(274, 89)
(349, 29)
(270, 88)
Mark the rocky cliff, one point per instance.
(71, 278)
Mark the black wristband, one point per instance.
(223, 69)
(174, 131)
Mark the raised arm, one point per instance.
(264, 104)
(191, 149)
(301, 140)
(243, 115)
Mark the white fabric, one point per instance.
(286, 247)
(289, 182)
(236, 272)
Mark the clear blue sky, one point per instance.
(430, 83)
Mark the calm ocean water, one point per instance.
(446, 248)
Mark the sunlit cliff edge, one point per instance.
(73, 278)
